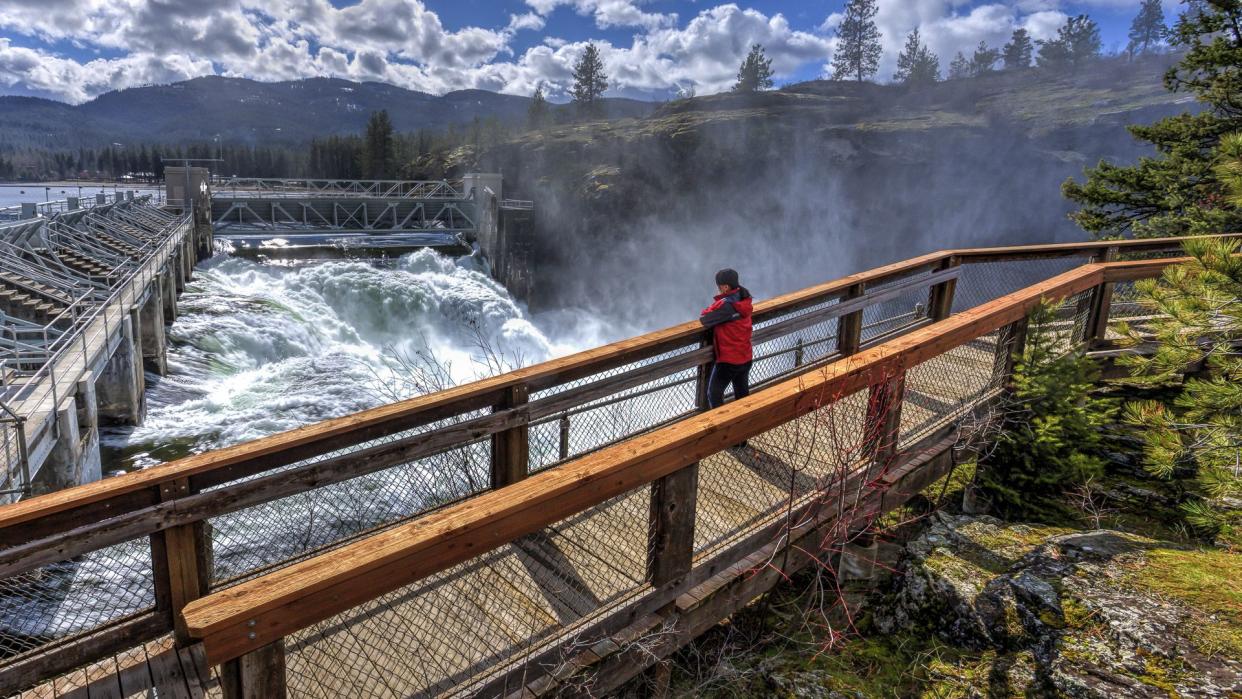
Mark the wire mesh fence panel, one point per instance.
(62, 600)
(789, 353)
(612, 418)
(472, 622)
(741, 488)
(1127, 307)
(894, 314)
(942, 389)
(257, 538)
(792, 350)
(980, 282)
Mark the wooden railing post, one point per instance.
(882, 429)
(940, 298)
(181, 560)
(1009, 348)
(1101, 302)
(511, 448)
(670, 528)
(849, 326)
(670, 541)
(259, 674)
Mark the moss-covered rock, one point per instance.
(1092, 613)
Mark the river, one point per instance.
(263, 347)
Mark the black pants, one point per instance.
(724, 374)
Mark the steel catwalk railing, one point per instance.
(383, 189)
(35, 401)
(165, 536)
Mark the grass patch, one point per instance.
(1206, 581)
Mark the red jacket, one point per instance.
(729, 319)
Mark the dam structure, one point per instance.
(86, 289)
(552, 530)
(308, 217)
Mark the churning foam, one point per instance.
(262, 348)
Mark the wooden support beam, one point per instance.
(670, 539)
(940, 298)
(511, 448)
(882, 426)
(674, 498)
(1101, 302)
(181, 563)
(259, 674)
(1009, 350)
(849, 327)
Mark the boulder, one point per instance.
(1059, 608)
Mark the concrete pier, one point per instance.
(151, 334)
(119, 388)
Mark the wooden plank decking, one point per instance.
(452, 631)
(158, 665)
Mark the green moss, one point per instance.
(1077, 616)
(1161, 673)
(1205, 581)
(1012, 541)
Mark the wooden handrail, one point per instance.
(136, 490)
(242, 618)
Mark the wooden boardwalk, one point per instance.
(450, 633)
(541, 572)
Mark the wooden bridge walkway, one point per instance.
(551, 530)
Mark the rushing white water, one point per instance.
(259, 348)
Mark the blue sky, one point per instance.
(74, 50)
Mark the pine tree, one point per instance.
(984, 59)
(590, 82)
(1197, 318)
(1148, 29)
(960, 67)
(1049, 437)
(755, 73)
(916, 64)
(1019, 51)
(1078, 41)
(859, 51)
(378, 157)
(537, 114)
(1178, 191)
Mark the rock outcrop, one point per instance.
(1070, 613)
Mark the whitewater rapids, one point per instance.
(261, 348)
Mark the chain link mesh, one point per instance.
(66, 599)
(980, 282)
(465, 624)
(250, 541)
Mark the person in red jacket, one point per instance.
(729, 319)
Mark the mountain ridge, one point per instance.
(241, 110)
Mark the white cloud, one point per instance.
(609, 13)
(405, 42)
(44, 74)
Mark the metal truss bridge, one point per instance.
(274, 214)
